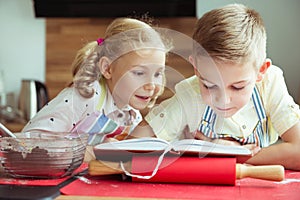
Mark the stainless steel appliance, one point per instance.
(33, 96)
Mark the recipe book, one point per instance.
(155, 145)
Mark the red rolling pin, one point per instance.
(208, 170)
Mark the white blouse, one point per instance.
(68, 108)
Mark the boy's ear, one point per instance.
(104, 66)
(192, 61)
(263, 69)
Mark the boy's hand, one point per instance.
(231, 142)
(200, 136)
(253, 148)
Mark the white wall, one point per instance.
(22, 44)
(282, 21)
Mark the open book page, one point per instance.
(209, 148)
(124, 150)
(137, 144)
(182, 146)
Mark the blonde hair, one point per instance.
(122, 36)
(82, 55)
(233, 33)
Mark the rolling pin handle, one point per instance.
(265, 172)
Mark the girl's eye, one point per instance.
(157, 74)
(138, 73)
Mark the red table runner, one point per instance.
(114, 186)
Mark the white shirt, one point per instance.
(68, 108)
(186, 107)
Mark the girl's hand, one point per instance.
(106, 140)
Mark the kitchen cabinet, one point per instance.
(14, 127)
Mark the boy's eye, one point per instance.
(237, 88)
(209, 87)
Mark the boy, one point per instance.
(237, 96)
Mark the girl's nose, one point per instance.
(149, 86)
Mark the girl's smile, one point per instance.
(145, 99)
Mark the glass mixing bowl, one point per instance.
(42, 155)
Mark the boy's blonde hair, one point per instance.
(122, 36)
(233, 33)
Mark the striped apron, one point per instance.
(259, 136)
(99, 126)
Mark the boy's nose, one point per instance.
(223, 98)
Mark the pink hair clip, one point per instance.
(100, 41)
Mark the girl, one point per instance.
(114, 78)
